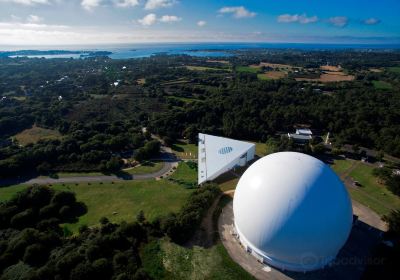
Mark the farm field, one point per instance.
(382, 85)
(330, 77)
(247, 69)
(394, 69)
(272, 75)
(203, 68)
(35, 134)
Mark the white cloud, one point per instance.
(169, 19)
(339, 21)
(303, 19)
(126, 3)
(148, 20)
(201, 23)
(27, 2)
(34, 19)
(90, 4)
(155, 4)
(371, 21)
(238, 12)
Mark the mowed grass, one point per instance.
(395, 69)
(200, 263)
(121, 201)
(185, 173)
(372, 193)
(382, 85)
(185, 151)
(146, 168)
(340, 166)
(35, 134)
(247, 69)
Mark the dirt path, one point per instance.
(204, 236)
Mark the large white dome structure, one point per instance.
(292, 211)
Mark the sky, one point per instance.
(74, 22)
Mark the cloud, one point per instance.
(34, 19)
(169, 19)
(148, 20)
(371, 21)
(90, 4)
(152, 18)
(201, 23)
(155, 4)
(27, 2)
(237, 12)
(126, 3)
(338, 21)
(303, 19)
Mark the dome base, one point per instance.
(310, 262)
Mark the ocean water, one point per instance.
(194, 49)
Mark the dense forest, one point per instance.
(101, 106)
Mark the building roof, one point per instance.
(215, 153)
(304, 131)
(299, 136)
(293, 210)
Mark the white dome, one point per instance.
(293, 211)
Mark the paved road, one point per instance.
(169, 160)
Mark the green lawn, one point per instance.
(372, 193)
(145, 168)
(155, 198)
(382, 85)
(199, 263)
(247, 69)
(185, 151)
(185, 173)
(263, 77)
(340, 166)
(394, 69)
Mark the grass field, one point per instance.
(340, 166)
(203, 68)
(261, 149)
(126, 199)
(145, 168)
(185, 151)
(247, 69)
(34, 134)
(394, 69)
(271, 75)
(199, 263)
(185, 173)
(372, 193)
(382, 85)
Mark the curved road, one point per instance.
(169, 160)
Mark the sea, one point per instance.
(126, 51)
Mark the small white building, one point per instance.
(302, 135)
(218, 155)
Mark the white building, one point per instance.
(218, 155)
(292, 211)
